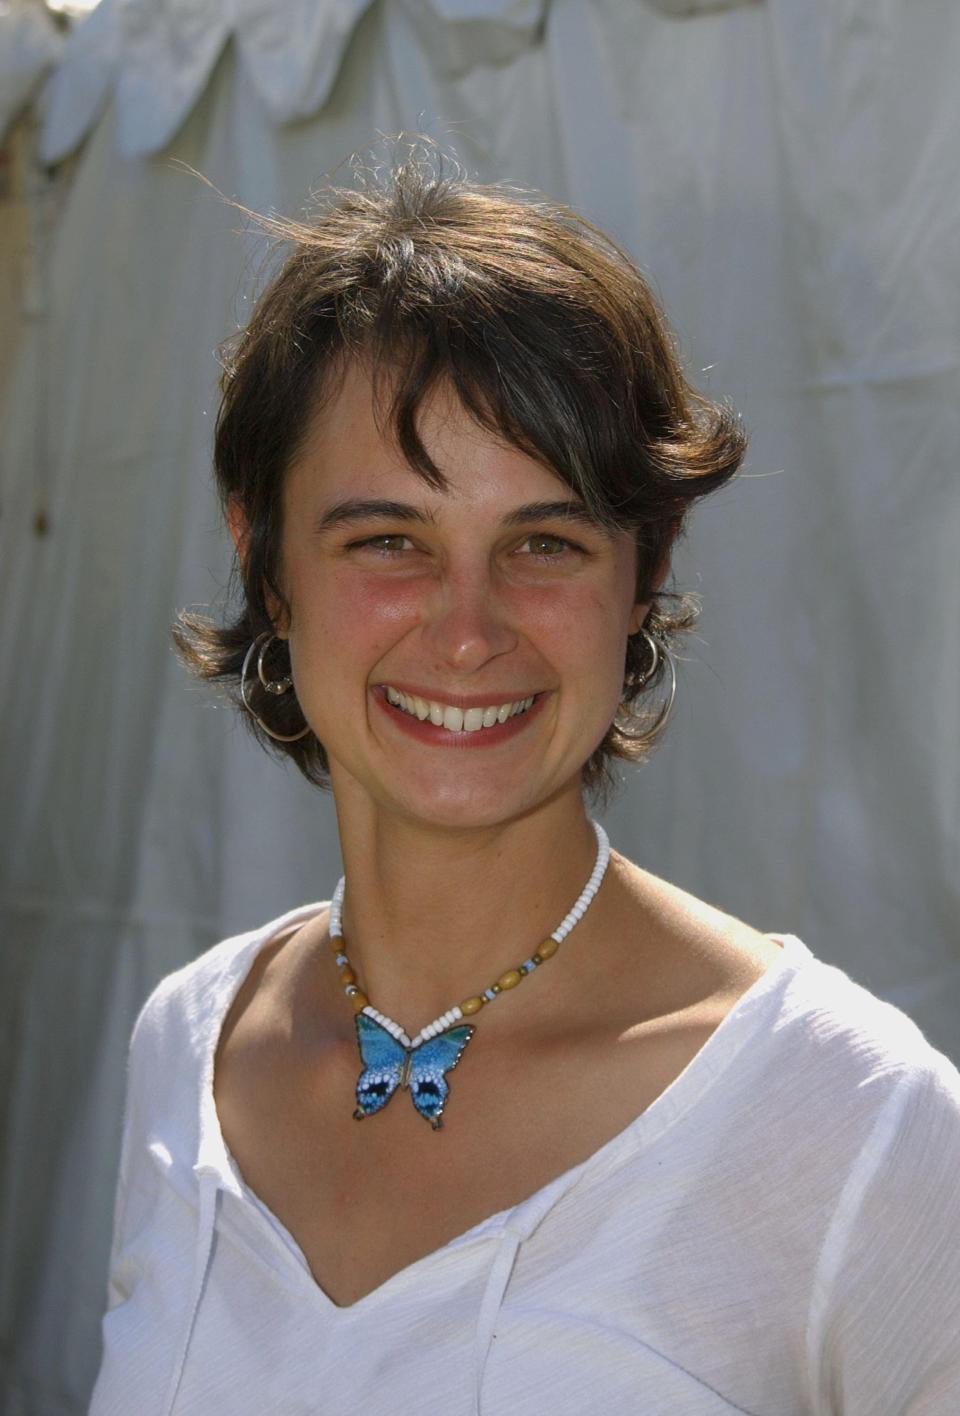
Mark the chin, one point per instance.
(460, 810)
(474, 805)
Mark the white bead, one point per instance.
(457, 1013)
(336, 908)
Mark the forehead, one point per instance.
(349, 444)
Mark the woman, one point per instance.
(674, 1165)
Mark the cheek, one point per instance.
(379, 605)
(340, 613)
(603, 624)
(591, 623)
(582, 633)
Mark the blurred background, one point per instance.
(784, 171)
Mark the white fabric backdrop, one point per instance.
(784, 173)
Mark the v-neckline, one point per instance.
(697, 1077)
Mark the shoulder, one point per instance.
(856, 1037)
(172, 1045)
(677, 956)
(186, 1002)
(823, 1017)
(845, 1097)
(887, 1304)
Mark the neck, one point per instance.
(433, 915)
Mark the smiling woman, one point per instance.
(683, 1166)
(451, 600)
(540, 332)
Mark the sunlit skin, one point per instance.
(457, 858)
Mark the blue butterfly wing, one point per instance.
(383, 1058)
(428, 1064)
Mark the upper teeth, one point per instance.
(457, 720)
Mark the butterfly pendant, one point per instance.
(388, 1064)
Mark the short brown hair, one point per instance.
(549, 335)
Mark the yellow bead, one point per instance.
(471, 1005)
(359, 1001)
(347, 975)
(548, 948)
(510, 979)
(337, 944)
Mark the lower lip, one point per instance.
(443, 737)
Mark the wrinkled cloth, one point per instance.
(775, 1234)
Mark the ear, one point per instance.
(637, 617)
(640, 612)
(239, 528)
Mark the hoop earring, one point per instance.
(276, 686)
(661, 721)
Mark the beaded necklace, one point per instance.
(391, 1059)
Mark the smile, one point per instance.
(456, 720)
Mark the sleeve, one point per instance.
(134, 1108)
(891, 1267)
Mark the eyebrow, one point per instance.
(345, 513)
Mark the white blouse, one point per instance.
(778, 1234)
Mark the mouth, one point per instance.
(445, 724)
(454, 718)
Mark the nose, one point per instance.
(466, 622)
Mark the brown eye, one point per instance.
(555, 546)
(378, 544)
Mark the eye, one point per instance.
(378, 544)
(559, 545)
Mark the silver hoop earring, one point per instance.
(661, 722)
(276, 686)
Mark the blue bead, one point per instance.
(529, 966)
(489, 995)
